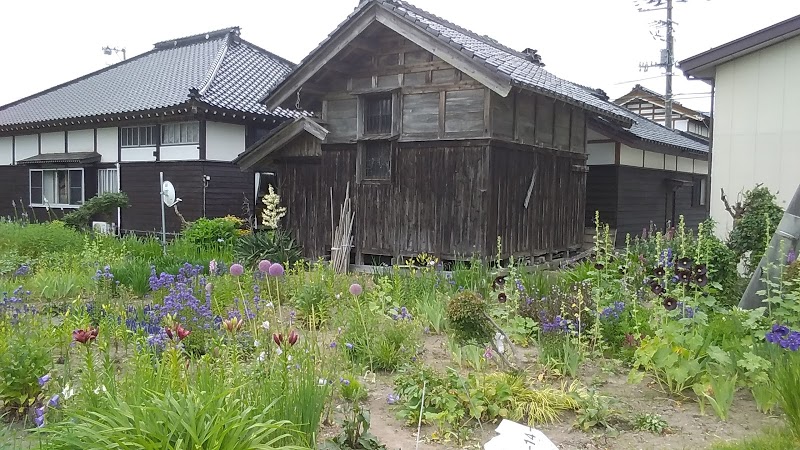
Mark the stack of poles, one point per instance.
(342, 234)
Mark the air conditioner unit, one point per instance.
(103, 227)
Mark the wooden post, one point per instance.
(784, 240)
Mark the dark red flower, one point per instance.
(293, 337)
(598, 266)
(169, 332)
(684, 263)
(657, 288)
(501, 297)
(670, 303)
(701, 280)
(659, 271)
(278, 338)
(684, 276)
(180, 332)
(85, 336)
(700, 269)
(499, 282)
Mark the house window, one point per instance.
(378, 114)
(699, 192)
(107, 181)
(56, 187)
(138, 136)
(377, 160)
(180, 133)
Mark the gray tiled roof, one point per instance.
(230, 72)
(527, 74)
(505, 61)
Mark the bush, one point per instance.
(722, 265)
(753, 230)
(466, 315)
(213, 233)
(24, 357)
(101, 206)
(35, 240)
(273, 245)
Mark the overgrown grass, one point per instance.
(771, 439)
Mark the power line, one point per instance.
(641, 79)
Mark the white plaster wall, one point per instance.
(600, 153)
(130, 154)
(6, 151)
(756, 126)
(53, 142)
(701, 166)
(224, 141)
(26, 146)
(653, 160)
(682, 124)
(177, 152)
(80, 141)
(685, 164)
(108, 143)
(629, 156)
(670, 162)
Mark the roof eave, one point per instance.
(276, 140)
(702, 66)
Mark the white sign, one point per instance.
(515, 436)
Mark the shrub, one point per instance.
(753, 230)
(35, 240)
(24, 357)
(211, 233)
(101, 206)
(273, 245)
(722, 264)
(466, 316)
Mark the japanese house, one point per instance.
(187, 108)
(756, 131)
(448, 140)
(645, 176)
(651, 105)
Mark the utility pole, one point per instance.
(667, 55)
(670, 64)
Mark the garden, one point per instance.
(225, 338)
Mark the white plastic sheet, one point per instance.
(515, 436)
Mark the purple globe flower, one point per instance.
(236, 270)
(264, 265)
(276, 270)
(356, 289)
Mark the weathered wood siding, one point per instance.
(553, 220)
(225, 193)
(436, 202)
(642, 200)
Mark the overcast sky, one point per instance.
(599, 43)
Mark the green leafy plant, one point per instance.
(24, 357)
(355, 434)
(273, 245)
(593, 410)
(466, 317)
(653, 423)
(759, 217)
(102, 206)
(210, 233)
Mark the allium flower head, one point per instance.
(276, 270)
(236, 270)
(355, 289)
(264, 265)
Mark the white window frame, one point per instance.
(138, 143)
(106, 178)
(171, 136)
(49, 203)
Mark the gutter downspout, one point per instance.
(119, 210)
(711, 148)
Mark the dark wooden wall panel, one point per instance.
(554, 218)
(643, 200)
(14, 188)
(602, 187)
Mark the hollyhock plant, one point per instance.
(501, 297)
(670, 303)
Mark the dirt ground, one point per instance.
(688, 429)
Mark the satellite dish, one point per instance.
(168, 194)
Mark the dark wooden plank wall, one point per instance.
(602, 190)
(14, 188)
(224, 195)
(553, 220)
(435, 203)
(642, 200)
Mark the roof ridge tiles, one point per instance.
(195, 38)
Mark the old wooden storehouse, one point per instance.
(448, 140)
